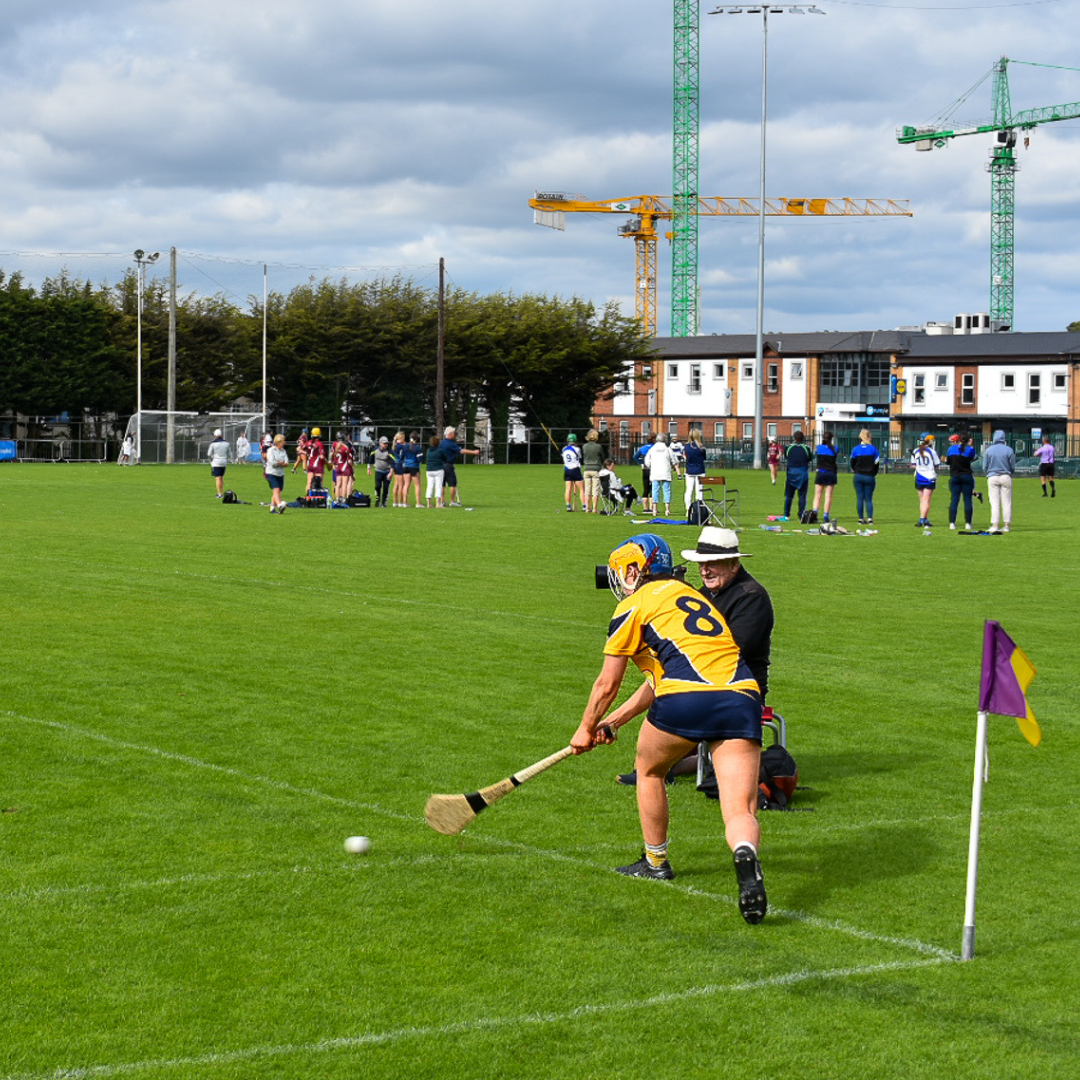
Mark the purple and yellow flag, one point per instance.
(1006, 675)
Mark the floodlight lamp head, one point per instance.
(154, 257)
(139, 253)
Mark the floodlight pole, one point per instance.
(143, 260)
(265, 426)
(759, 341)
(170, 397)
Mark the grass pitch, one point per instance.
(200, 702)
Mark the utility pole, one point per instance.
(170, 394)
(440, 354)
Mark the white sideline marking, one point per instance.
(468, 1027)
(225, 770)
(809, 920)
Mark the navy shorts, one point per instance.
(411, 470)
(217, 470)
(277, 482)
(449, 475)
(708, 715)
(921, 483)
(572, 475)
(825, 479)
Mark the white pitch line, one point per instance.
(225, 770)
(807, 919)
(468, 1027)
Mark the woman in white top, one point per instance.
(661, 463)
(277, 461)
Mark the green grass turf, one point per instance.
(200, 702)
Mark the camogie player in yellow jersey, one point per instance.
(697, 688)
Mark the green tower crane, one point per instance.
(1002, 167)
(684, 220)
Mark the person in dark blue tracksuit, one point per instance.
(961, 479)
(798, 473)
(864, 469)
(825, 480)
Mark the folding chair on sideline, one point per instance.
(721, 502)
(610, 502)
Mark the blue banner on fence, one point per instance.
(7, 449)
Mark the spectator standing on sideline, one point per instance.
(1045, 454)
(436, 472)
(798, 474)
(961, 479)
(396, 448)
(999, 464)
(218, 453)
(865, 462)
(720, 705)
(243, 449)
(316, 460)
(127, 451)
(411, 456)
(694, 467)
(342, 456)
(592, 461)
(383, 460)
(662, 464)
(302, 451)
(772, 457)
(825, 480)
(276, 461)
(574, 480)
(640, 455)
(925, 460)
(452, 450)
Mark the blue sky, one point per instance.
(372, 138)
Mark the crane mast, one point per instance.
(684, 242)
(1003, 168)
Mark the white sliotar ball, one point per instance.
(357, 845)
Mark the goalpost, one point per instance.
(166, 438)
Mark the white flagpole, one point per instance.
(973, 842)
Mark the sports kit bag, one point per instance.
(698, 513)
(778, 777)
(358, 498)
(229, 497)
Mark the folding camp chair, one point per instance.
(618, 501)
(721, 502)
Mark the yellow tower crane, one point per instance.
(550, 210)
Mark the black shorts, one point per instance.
(708, 715)
(449, 475)
(1046, 468)
(572, 475)
(411, 470)
(217, 470)
(825, 479)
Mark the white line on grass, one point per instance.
(225, 770)
(184, 759)
(470, 1027)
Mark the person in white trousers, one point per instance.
(999, 464)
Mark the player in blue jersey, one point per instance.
(865, 461)
(572, 474)
(696, 688)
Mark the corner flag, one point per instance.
(1006, 675)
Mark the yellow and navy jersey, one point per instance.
(678, 640)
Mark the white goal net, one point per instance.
(166, 438)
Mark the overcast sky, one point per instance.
(370, 138)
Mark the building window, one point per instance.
(854, 378)
(694, 425)
(646, 371)
(1008, 381)
(624, 434)
(695, 379)
(1059, 380)
(919, 390)
(718, 371)
(748, 371)
(942, 381)
(796, 369)
(718, 431)
(673, 428)
(646, 428)
(652, 403)
(967, 389)
(796, 427)
(748, 431)
(773, 371)
(673, 371)
(770, 431)
(1034, 389)
(602, 425)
